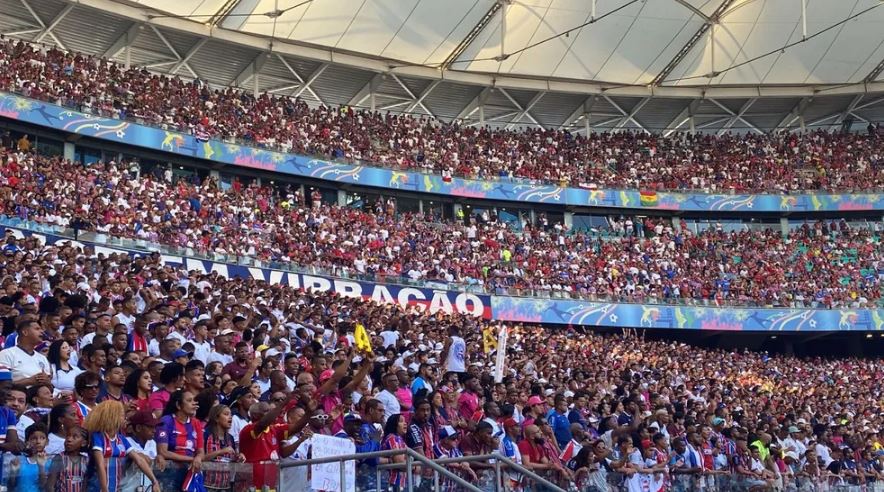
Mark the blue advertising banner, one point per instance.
(530, 310)
(40, 113)
(683, 317)
(433, 300)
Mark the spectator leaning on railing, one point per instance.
(646, 411)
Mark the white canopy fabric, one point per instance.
(632, 42)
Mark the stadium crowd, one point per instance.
(115, 359)
(829, 265)
(782, 162)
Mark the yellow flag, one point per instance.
(363, 343)
(489, 339)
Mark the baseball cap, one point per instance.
(718, 421)
(793, 429)
(272, 353)
(181, 353)
(510, 422)
(352, 417)
(534, 400)
(447, 431)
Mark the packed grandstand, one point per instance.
(732, 162)
(126, 372)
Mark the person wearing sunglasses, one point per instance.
(87, 387)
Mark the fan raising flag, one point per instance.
(363, 343)
(489, 339)
(648, 198)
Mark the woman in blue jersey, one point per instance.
(179, 439)
(394, 432)
(110, 449)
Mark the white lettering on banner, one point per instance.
(258, 274)
(382, 294)
(461, 301)
(318, 284)
(346, 288)
(406, 292)
(327, 476)
(500, 360)
(194, 264)
(175, 260)
(440, 302)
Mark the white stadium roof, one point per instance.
(653, 64)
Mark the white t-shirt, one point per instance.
(224, 359)
(236, 426)
(55, 445)
(23, 364)
(64, 380)
(457, 352)
(390, 337)
(391, 404)
(201, 351)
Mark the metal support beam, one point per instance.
(853, 106)
(683, 117)
(368, 91)
(797, 113)
(125, 41)
(301, 80)
(630, 116)
(183, 60)
(252, 70)
(313, 76)
(414, 101)
(423, 95)
(474, 104)
(526, 111)
(686, 49)
(699, 13)
(738, 116)
(580, 111)
(468, 39)
(875, 72)
(47, 28)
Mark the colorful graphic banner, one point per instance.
(570, 312)
(530, 310)
(40, 113)
(434, 300)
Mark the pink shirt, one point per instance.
(468, 404)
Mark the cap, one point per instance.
(654, 425)
(352, 417)
(181, 353)
(272, 353)
(569, 394)
(793, 429)
(143, 417)
(534, 400)
(235, 395)
(510, 422)
(717, 421)
(447, 431)
(228, 331)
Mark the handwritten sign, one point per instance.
(327, 476)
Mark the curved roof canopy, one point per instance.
(584, 65)
(630, 42)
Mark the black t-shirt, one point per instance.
(836, 467)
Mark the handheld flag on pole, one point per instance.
(363, 343)
(489, 339)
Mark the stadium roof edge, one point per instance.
(146, 16)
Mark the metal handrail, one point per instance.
(488, 457)
(410, 456)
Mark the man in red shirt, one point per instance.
(260, 439)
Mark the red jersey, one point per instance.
(263, 447)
